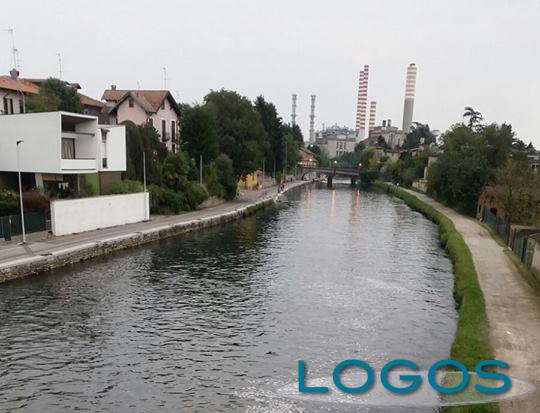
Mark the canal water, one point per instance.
(215, 321)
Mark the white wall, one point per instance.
(116, 148)
(85, 214)
(41, 149)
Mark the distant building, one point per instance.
(157, 107)
(59, 149)
(336, 140)
(393, 137)
(307, 158)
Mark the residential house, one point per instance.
(15, 90)
(13, 93)
(157, 107)
(61, 152)
(307, 158)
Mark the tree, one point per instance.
(499, 141)
(175, 171)
(226, 175)
(516, 192)
(420, 133)
(242, 136)
(475, 119)
(200, 133)
(291, 153)
(274, 131)
(55, 94)
(139, 139)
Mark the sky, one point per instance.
(482, 53)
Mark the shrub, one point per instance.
(195, 195)
(125, 187)
(8, 195)
(35, 201)
(8, 208)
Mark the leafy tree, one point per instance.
(242, 136)
(274, 128)
(349, 160)
(419, 133)
(315, 149)
(175, 171)
(139, 139)
(460, 137)
(517, 193)
(457, 178)
(200, 133)
(291, 153)
(475, 119)
(55, 94)
(499, 141)
(226, 175)
(295, 132)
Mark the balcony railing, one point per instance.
(78, 164)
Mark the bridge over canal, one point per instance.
(331, 172)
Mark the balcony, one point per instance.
(78, 165)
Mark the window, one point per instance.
(68, 148)
(21, 106)
(163, 130)
(104, 150)
(151, 121)
(130, 102)
(173, 131)
(8, 105)
(163, 104)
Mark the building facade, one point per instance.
(156, 107)
(60, 151)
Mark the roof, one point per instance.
(21, 85)
(88, 101)
(307, 151)
(149, 100)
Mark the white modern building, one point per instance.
(60, 148)
(336, 140)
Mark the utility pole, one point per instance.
(20, 193)
(264, 160)
(144, 185)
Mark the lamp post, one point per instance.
(20, 193)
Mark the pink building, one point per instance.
(156, 107)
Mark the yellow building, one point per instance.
(251, 181)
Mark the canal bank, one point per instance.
(499, 312)
(17, 261)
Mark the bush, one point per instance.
(35, 201)
(196, 194)
(125, 187)
(173, 202)
(227, 178)
(8, 195)
(8, 208)
(211, 181)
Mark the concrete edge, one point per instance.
(22, 267)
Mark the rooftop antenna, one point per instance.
(14, 50)
(138, 85)
(59, 65)
(165, 78)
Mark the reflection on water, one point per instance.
(215, 321)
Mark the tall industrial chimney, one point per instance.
(293, 114)
(372, 113)
(408, 106)
(312, 120)
(361, 104)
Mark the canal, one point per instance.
(215, 321)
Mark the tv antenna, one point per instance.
(59, 65)
(14, 50)
(165, 78)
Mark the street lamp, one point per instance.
(20, 193)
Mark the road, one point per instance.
(512, 307)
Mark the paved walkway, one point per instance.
(43, 244)
(513, 308)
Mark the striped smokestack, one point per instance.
(312, 120)
(408, 105)
(372, 113)
(361, 104)
(293, 114)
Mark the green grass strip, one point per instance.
(471, 341)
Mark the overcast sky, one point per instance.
(484, 54)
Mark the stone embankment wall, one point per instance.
(80, 252)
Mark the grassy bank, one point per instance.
(471, 342)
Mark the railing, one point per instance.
(499, 225)
(11, 224)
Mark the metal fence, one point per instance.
(11, 224)
(499, 225)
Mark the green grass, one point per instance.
(471, 341)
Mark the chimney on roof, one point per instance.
(389, 122)
(384, 123)
(113, 87)
(14, 73)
